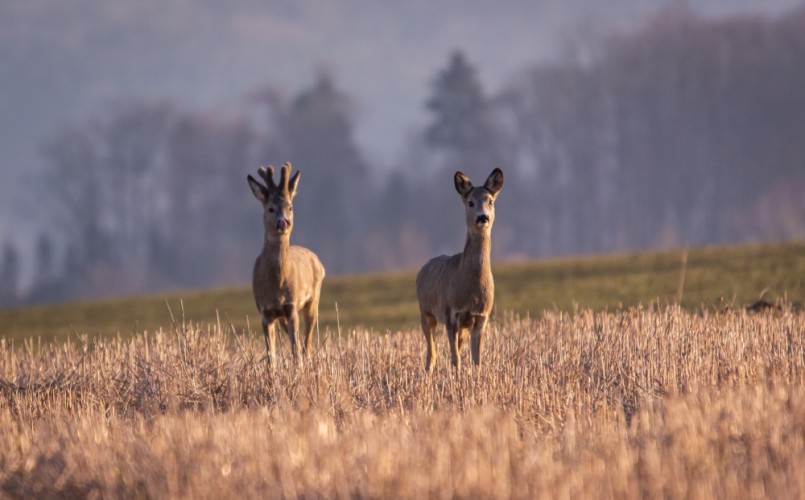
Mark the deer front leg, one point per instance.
(453, 337)
(476, 338)
(268, 333)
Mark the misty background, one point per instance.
(128, 129)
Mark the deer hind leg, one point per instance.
(311, 313)
(292, 327)
(453, 337)
(428, 326)
(476, 338)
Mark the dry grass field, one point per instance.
(641, 402)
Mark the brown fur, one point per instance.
(459, 290)
(287, 279)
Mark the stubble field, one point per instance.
(640, 402)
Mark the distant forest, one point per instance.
(686, 131)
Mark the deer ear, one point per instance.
(292, 184)
(260, 192)
(463, 183)
(494, 182)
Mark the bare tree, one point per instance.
(9, 276)
(77, 207)
(133, 137)
(205, 154)
(663, 136)
(48, 282)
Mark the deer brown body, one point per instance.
(287, 279)
(459, 290)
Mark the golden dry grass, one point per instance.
(626, 404)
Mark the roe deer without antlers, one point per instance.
(286, 279)
(459, 290)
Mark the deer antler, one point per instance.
(267, 173)
(285, 173)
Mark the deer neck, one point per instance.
(274, 258)
(476, 258)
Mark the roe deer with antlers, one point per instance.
(459, 290)
(286, 279)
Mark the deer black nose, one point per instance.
(482, 219)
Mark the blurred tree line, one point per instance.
(685, 131)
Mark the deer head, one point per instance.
(479, 202)
(276, 199)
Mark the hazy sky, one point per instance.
(61, 61)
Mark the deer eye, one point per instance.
(471, 203)
(271, 209)
(290, 208)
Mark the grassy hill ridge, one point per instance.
(713, 277)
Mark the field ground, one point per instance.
(715, 277)
(641, 403)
